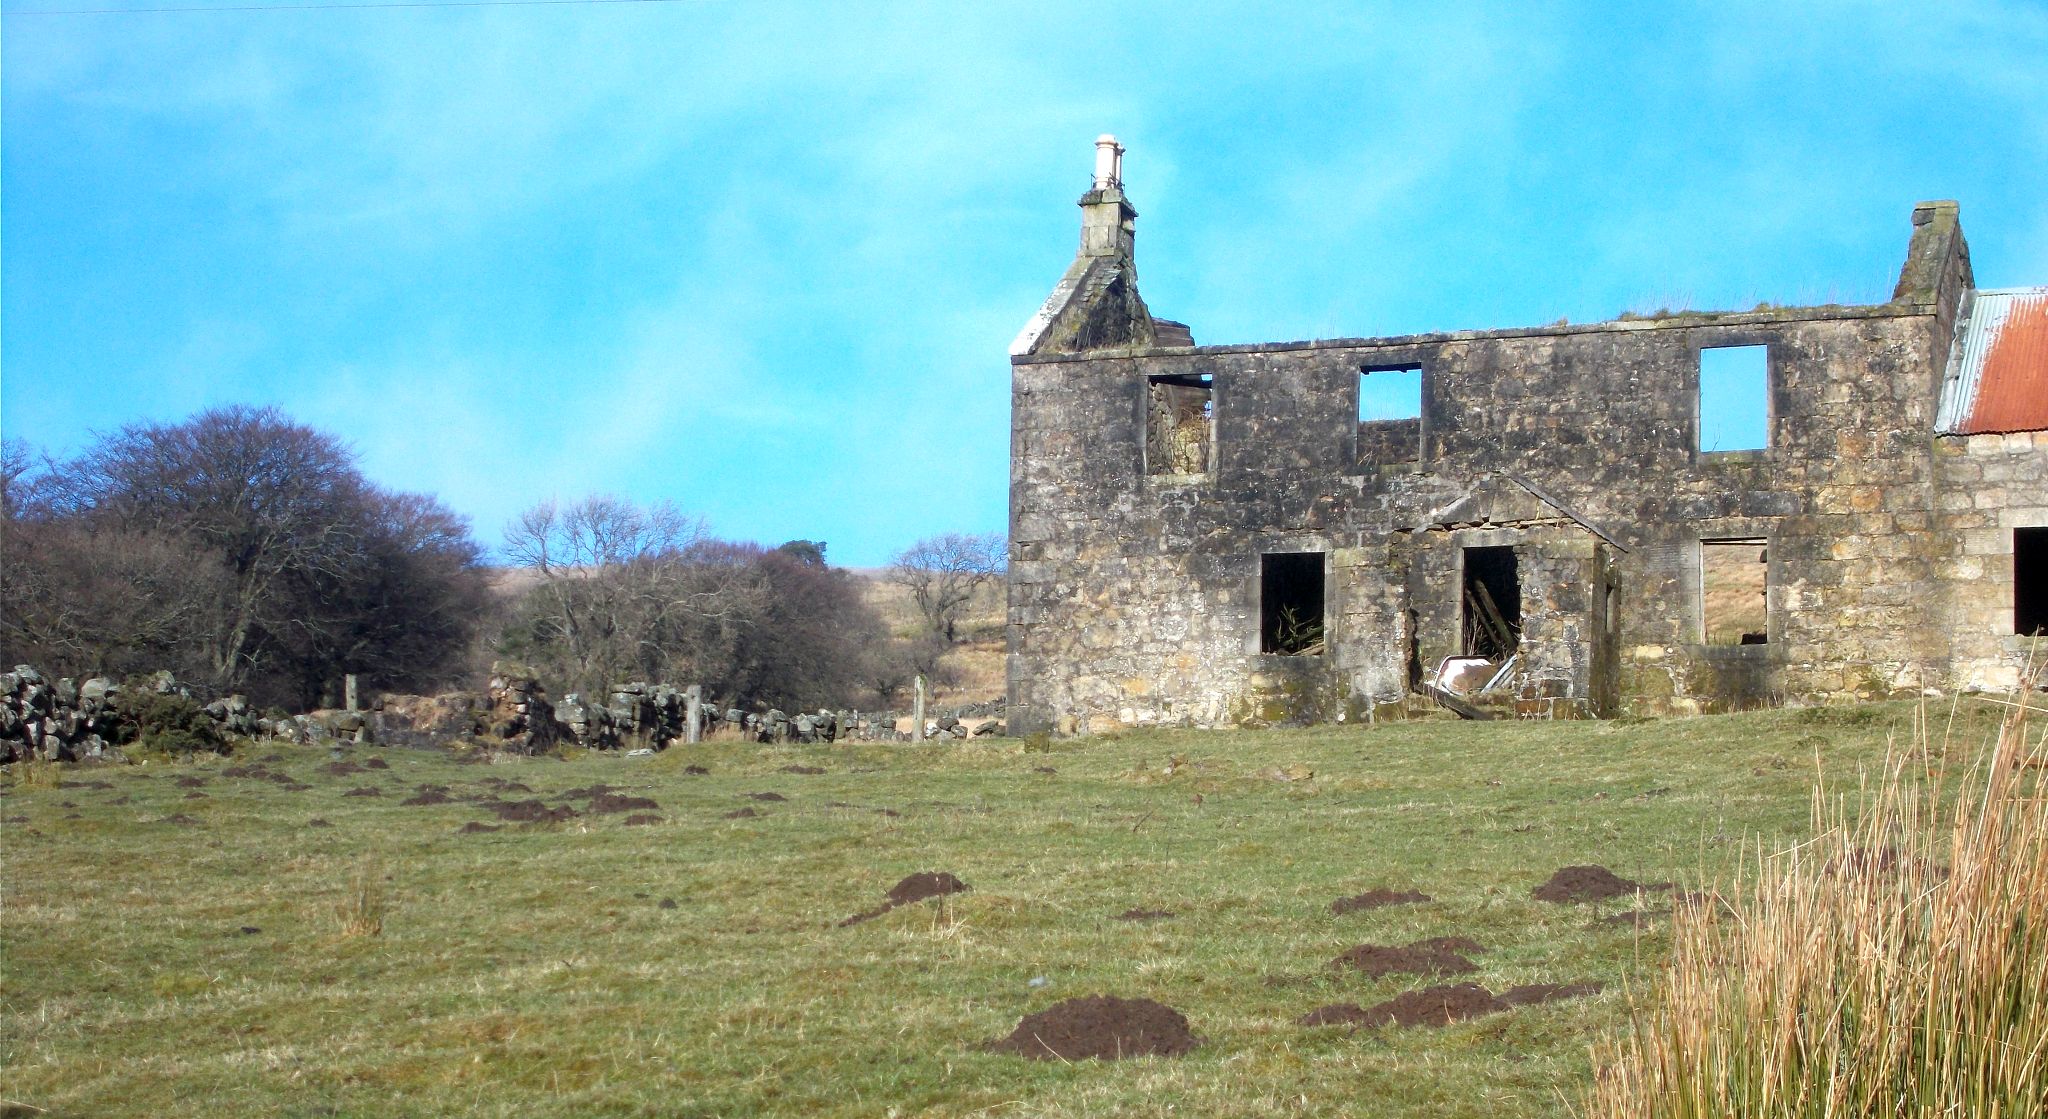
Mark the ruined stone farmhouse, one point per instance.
(1541, 521)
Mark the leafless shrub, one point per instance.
(941, 573)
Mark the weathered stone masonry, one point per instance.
(1150, 476)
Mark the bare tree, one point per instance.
(79, 599)
(811, 641)
(273, 499)
(942, 572)
(622, 590)
(25, 481)
(238, 548)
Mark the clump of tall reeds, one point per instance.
(1895, 965)
(361, 909)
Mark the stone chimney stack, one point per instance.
(1095, 306)
(1108, 223)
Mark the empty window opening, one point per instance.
(1735, 398)
(2030, 581)
(1390, 414)
(1291, 604)
(1180, 424)
(1389, 393)
(1734, 592)
(1493, 603)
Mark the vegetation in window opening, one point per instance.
(1188, 444)
(1299, 635)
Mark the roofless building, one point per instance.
(1543, 521)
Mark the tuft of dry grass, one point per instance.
(361, 909)
(1894, 965)
(38, 774)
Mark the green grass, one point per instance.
(533, 971)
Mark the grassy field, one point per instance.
(164, 954)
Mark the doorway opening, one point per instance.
(1492, 603)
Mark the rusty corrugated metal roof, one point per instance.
(1997, 377)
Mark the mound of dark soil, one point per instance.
(364, 791)
(180, 819)
(259, 773)
(473, 828)
(429, 794)
(1585, 883)
(376, 763)
(1420, 958)
(197, 795)
(807, 770)
(1534, 994)
(501, 785)
(613, 802)
(766, 796)
(1043, 769)
(642, 818)
(1374, 899)
(531, 812)
(696, 771)
(741, 814)
(189, 782)
(1433, 1006)
(925, 884)
(1145, 914)
(1336, 1014)
(1100, 1026)
(317, 822)
(340, 769)
(916, 888)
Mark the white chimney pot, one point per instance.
(1109, 162)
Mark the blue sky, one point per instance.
(765, 260)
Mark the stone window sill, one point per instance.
(1735, 458)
